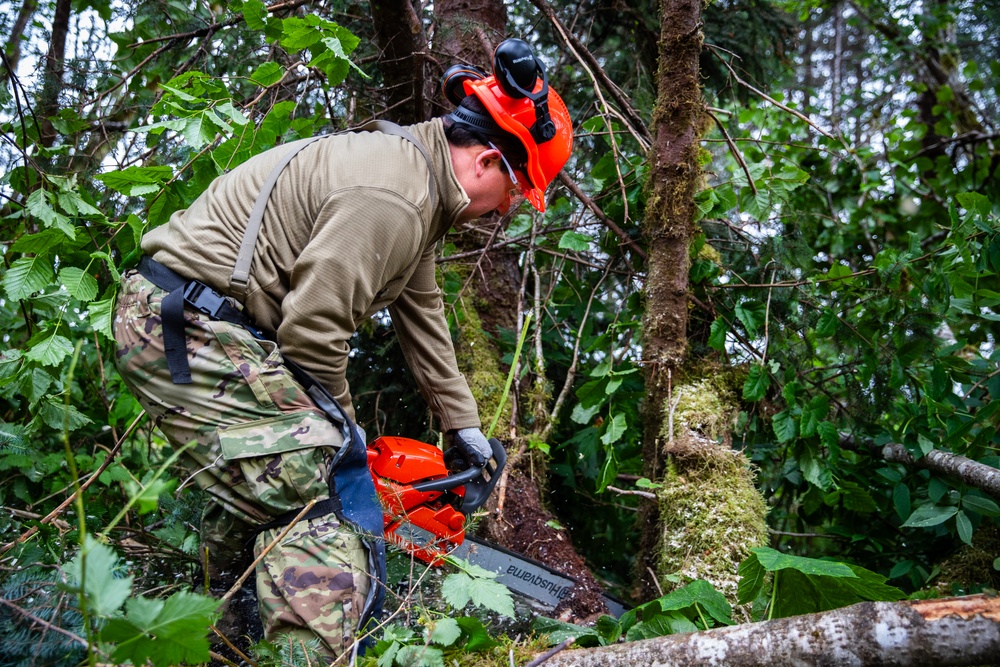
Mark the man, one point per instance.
(347, 226)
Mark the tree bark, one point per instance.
(52, 82)
(971, 472)
(13, 47)
(400, 35)
(950, 631)
(670, 213)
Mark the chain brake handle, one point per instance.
(478, 486)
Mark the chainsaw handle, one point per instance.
(449, 482)
(473, 477)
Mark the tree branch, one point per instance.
(949, 631)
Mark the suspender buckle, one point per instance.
(204, 299)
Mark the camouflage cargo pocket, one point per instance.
(284, 459)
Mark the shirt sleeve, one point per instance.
(422, 329)
(362, 238)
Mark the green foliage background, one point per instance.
(845, 281)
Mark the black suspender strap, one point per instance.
(239, 281)
(181, 292)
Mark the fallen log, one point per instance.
(949, 631)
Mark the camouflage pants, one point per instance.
(260, 448)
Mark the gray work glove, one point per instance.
(467, 448)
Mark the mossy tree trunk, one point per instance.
(674, 178)
(687, 419)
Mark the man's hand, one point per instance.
(467, 448)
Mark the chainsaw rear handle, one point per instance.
(477, 487)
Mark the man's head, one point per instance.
(514, 113)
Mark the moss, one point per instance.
(970, 569)
(480, 362)
(711, 513)
(701, 407)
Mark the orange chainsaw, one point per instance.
(425, 510)
(417, 491)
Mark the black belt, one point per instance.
(193, 293)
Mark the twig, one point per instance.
(628, 492)
(784, 107)
(45, 624)
(601, 215)
(281, 536)
(732, 148)
(571, 373)
(656, 581)
(232, 647)
(634, 122)
(551, 652)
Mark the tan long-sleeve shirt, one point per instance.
(349, 229)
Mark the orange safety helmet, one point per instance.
(520, 103)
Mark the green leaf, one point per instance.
(659, 626)
(784, 426)
(267, 74)
(807, 585)
(147, 496)
(751, 314)
(445, 631)
(136, 181)
(26, 276)
(478, 639)
(615, 429)
(559, 631)
(101, 315)
(702, 593)
(38, 204)
(420, 656)
(756, 384)
(927, 516)
(827, 324)
(772, 561)
(856, 498)
(81, 285)
(459, 589)
(828, 434)
(50, 350)
(57, 415)
(574, 241)
(752, 575)
(964, 527)
(94, 565)
(169, 632)
(255, 14)
(717, 336)
(980, 505)
(901, 501)
(298, 33)
(609, 471)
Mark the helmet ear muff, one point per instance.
(516, 68)
(454, 78)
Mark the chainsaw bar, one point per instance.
(522, 575)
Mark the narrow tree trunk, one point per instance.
(400, 35)
(924, 633)
(52, 82)
(13, 48)
(674, 178)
